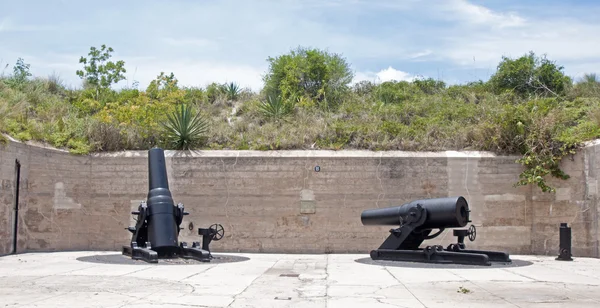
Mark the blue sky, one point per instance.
(204, 41)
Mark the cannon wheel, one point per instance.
(219, 231)
(472, 233)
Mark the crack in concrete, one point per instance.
(227, 189)
(43, 299)
(136, 271)
(327, 277)
(519, 274)
(51, 220)
(405, 287)
(198, 273)
(56, 274)
(306, 172)
(381, 301)
(380, 181)
(486, 290)
(250, 284)
(427, 176)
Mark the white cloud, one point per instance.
(196, 72)
(8, 25)
(481, 37)
(479, 15)
(564, 41)
(191, 42)
(144, 69)
(457, 37)
(388, 74)
(420, 54)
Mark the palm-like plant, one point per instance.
(185, 128)
(275, 107)
(232, 91)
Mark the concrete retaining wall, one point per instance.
(277, 202)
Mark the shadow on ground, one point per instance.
(369, 261)
(121, 259)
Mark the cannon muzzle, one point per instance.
(448, 212)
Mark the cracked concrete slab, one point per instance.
(61, 279)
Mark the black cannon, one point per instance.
(156, 232)
(417, 219)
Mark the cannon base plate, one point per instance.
(140, 253)
(436, 254)
(148, 255)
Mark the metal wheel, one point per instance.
(472, 233)
(219, 231)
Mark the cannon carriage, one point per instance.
(158, 222)
(416, 221)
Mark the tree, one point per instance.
(530, 76)
(100, 73)
(313, 73)
(162, 84)
(21, 71)
(19, 76)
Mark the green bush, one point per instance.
(308, 72)
(530, 76)
(528, 108)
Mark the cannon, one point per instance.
(156, 233)
(416, 221)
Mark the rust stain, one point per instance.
(428, 187)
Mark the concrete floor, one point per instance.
(273, 280)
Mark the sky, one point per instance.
(204, 41)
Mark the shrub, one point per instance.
(529, 76)
(307, 104)
(185, 128)
(319, 75)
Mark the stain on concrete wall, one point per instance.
(278, 202)
(61, 200)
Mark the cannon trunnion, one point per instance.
(156, 232)
(417, 219)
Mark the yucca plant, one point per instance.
(185, 128)
(232, 91)
(275, 107)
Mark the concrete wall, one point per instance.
(277, 202)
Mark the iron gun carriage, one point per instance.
(416, 221)
(157, 228)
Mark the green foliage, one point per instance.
(162, 86)
(20, 74)
(98, 72)
(319, 75)
(21, 71)
(528, 108)
(588, 86)
(213, 92)
(530, 76)
(232, 91)
(275, 107)
(185, 128)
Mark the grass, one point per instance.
(415, 116)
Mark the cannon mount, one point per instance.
(403, 243)
(141, 248)
(156, 232)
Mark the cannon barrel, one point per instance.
(162, 227)
(157, 169)
(447, 212)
